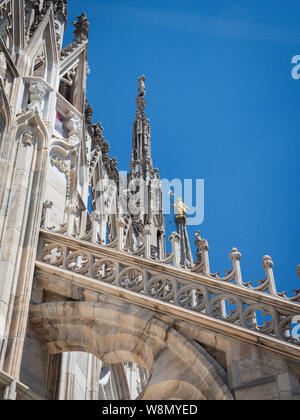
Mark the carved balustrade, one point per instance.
(261, 309)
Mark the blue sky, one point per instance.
(223, 107)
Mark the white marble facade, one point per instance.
(92, 306)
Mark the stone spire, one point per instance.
(147, 192)
(141, 139)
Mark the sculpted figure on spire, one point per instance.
(82, 27)
(142, 88)
(140, 99)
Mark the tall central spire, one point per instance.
(147, 191)
(141, 137)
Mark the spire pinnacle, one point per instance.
(141, 139)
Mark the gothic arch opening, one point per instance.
(67, 85)
(119, 337)
(79, 375)
(40, 63)
(83, 376)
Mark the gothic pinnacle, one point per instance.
(141, 136)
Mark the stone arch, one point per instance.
(120, 333)
(40, 63)
(110, 349)
(172, 390)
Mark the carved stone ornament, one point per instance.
(48, 204)
(105, 148)
(88, 114)
(136, 169)
(98, 132)
(60, 7)
(141, 88)
(63, 165)
(82, 27)
(113, 164)
(140, 99)
(35, 10)
(73, 125)
(37, 94)
(27, 138)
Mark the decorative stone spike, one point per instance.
(175, 240)
(186, 259)
(236, 257)
(270, 282)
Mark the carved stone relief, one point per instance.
(28, 138)
(37, 93)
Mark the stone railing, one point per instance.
(269, 314)
(97, 235)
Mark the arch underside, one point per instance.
(176, 367)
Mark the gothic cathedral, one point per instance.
(92, 306)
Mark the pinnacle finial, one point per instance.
(267, 262)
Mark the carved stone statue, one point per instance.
(27, 138)
(98, 130)
(113, 164)
(105, 148)
(37, 93)
(61, 7)
(82, 27)
(63, 165)
(138, 226)
(180, 208)
(88, 114)
(142, 88)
